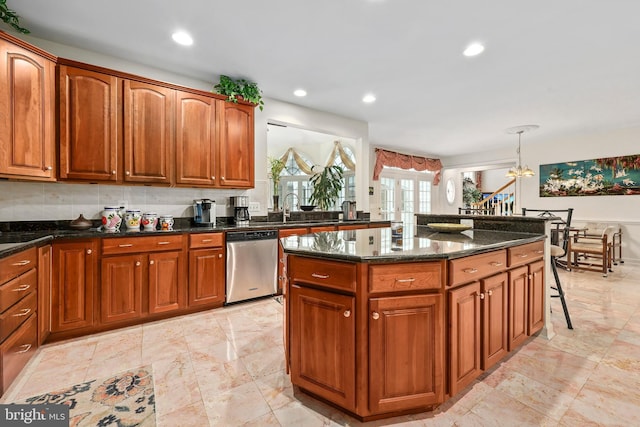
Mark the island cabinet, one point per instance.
(44, 292)
(141, 276)
(207, 262)
(367, 337)
(27, 111)
(75, 278)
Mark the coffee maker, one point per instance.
(204, 213)
(240, 205)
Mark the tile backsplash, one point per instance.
(34, 201)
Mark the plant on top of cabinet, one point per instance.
(10, 17)
(326, 186)
(239, 88)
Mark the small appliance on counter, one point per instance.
(240, 206)
(349, 211)
(204, 213)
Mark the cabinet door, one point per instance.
(495, 319)
(121, 287)
(167, 289)
(74, 281)
(44, 292)
(206, 277)
(405, 336)
(27, 114)
(518, 303)
(464, 338)
(89, 134)
(236, 145)
(323, 359)
(195, 139)
(536, 297)
(148, 132)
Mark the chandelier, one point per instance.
(520, 171)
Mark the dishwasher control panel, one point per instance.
(243, 236)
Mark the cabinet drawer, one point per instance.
(11, 319)
(206, 240)
(468, 269)
(524, 254)
(141, 244)
(409, 276)
(17, 350)
(15, 265)
(330, 274)
(14, 290)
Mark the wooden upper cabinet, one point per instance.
(27, 113)
(236, 145)
(148, 132)
(196, 139)
(89, 135)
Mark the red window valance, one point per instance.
(405, 161)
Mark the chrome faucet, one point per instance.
(286, 210)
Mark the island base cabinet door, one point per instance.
(406, 365)
(166, 282)
(323, 344)
(536, 297)
(494, 319)
(44, 293)
(518, 303)
(464, 336)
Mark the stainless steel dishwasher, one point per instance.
(252, 264)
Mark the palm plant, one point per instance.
(326, 186)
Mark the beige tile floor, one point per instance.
(225, 367)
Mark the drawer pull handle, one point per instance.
(375, 315)
(25, 347)
(23, 313)
(523, 255)
(347, 313)
(320, 276)
(163, 243)
(125, 245)
(406, 280)
(496, 264)
(21, 263)
(470, 270)
(206, 240)
(539, 252)
(22, 288)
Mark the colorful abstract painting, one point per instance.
(597, 177)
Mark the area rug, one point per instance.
(126, 399)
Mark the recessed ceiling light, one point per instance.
(369, 98)
(473, 49)
(300, 92)
(182, 38)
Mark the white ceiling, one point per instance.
(570, 66)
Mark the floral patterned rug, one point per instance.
(126, 399)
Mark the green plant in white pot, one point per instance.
(327, 185)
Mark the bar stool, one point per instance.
(559, 252)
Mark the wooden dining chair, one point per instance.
(591, 251)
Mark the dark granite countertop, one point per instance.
(16, 241)
(377, 245)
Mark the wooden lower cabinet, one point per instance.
(394, 322)
(464, 336)
(44, 292)
(518, 306)
(495, 321)
(167, 286)
(323, 355)
(536, 297)
(206, 277)
(121, 287)
(75, 266)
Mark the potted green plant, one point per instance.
(275, 169)
(326, 186)
(235, 89)
(10, 17)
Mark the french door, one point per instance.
(403, 194)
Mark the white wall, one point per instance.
(623, 210)
(25, 201)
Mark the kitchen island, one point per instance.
(379, 325)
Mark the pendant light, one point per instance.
(520, 171)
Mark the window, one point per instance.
(403, 194)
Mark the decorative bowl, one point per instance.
(307, 208)
(447, 227)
